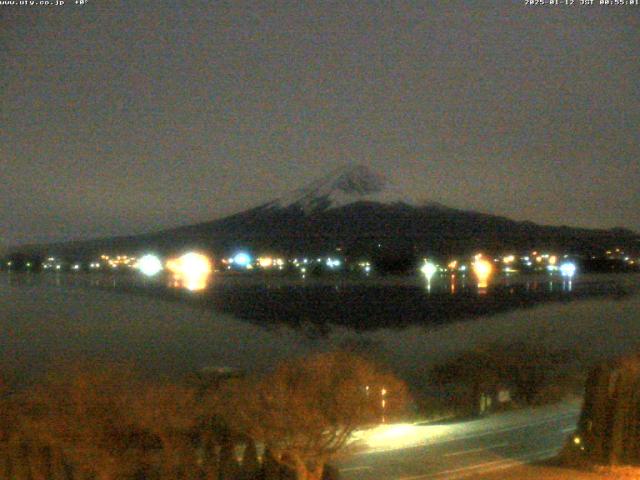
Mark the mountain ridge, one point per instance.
(359, 210)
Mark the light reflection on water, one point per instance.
(451, 283)
(49, 318)
(192, 284)
(455, 282)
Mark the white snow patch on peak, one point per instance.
(360, 180)
(354, 183)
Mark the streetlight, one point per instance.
(383, 393)
(149, 265)
(482, 269)
(428, 270)
(567, 270)
(192, 270)
(242, 259)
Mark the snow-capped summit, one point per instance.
(360, 180)
(354, 183)
(366, 215)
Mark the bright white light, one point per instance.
(150, 265)
(242, 258)
(195, 263)
(333, 263)
(428, 269)
(398, 436)
(568, 269)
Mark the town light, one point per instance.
(568, 269)
(242, 259)
(333, 263)
(428, 269)
(149, 265)
(191, 270)
(265, 262)
(482, 269)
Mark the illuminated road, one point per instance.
(461, 450)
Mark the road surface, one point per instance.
(461, 450)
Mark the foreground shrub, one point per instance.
(532, 374)
(103, 423)
(94, 422)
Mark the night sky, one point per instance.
(118, 118)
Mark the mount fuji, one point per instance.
(358, 211)
(342, 187)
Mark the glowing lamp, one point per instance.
(428, 270)
(195, 264)
(265, 262)
(509, 259)
(482, 269)
(568, 269)
(333, 263)
(243, 259)
(191, 270)
(149, 265)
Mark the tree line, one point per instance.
(109, 423)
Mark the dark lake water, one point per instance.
(252, 324)
(360, 305)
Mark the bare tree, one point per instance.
(168, 419)
(84, 413)
(307, 409)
